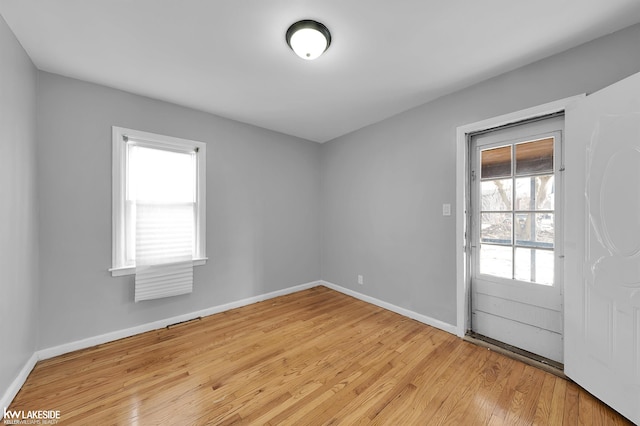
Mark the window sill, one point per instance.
(131, 270)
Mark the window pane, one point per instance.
(535, 266)
(535, 229)
(496, 228)
(535, 193)
(495, 162)
(160, 205)
(496, 194)
(534, 157)
(164, 232)
(496, 260)
(161, 176)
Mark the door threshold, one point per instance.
(530, 358)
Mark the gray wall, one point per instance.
(262, 209)
(383, 186)
(18, 208)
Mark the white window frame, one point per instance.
(120, 136)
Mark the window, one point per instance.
(158, 199)
(517, 211)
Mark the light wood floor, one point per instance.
(313, 357)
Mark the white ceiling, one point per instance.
(230, 58)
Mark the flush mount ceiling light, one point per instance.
(308, 39)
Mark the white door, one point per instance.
(602, 302)
(516, 193)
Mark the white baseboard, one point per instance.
(402, 311)
(42, 354)
(16, 385)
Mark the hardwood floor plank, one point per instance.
(523, 404)
(369, 402)
(466, 406)
(543, 410)
(385, 355)
(402, 382)
(494, 378)
(312, 357)
(556, 414)
(571, 405)
(585, 408)
(501, 409)
(390, 358)
(450, 385)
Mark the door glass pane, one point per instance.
(496, 260)
(535, 266)
(535, 229)
(496, 194)
(495, 162)
(496, 228)
(517, 208)
(534, 157)
(535, 193)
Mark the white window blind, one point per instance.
(161, 208)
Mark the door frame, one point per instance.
(463, 277)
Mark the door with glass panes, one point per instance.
(516, 223)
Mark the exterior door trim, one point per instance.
(462, 195)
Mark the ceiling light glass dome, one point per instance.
(308, 39)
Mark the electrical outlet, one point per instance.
(446, 210)
(360, 280)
